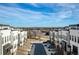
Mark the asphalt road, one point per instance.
(39, 49)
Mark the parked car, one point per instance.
(52, 49)
(45, 42)
(50, 46)
(53, 52)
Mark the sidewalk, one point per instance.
(25, 48)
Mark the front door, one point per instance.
(75, 50)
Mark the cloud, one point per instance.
(68, 5)
(17, 15)
(34, 4)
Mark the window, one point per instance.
(15, 46)
(5, 39)
(72, 38)
(13, 38)
(2, 40)
(78, 39)
(16, 37)
(75, 38)
(8, 38)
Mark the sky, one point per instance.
(39, 14)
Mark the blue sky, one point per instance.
(39, 14)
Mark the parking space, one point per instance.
(50, 49)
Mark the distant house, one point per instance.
(2, 26)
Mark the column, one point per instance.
(71, 48)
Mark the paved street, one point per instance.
(39, 49)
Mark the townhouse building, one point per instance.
(56, 37)
(68, 38)
(14, 41)
(64, 37)
(74, 38)
(51, 36)
(10, 38)
(5, 42)
(61, 38)
(22, 37)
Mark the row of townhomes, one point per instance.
(10, 39)
(67, 38)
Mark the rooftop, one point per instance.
(74, 25)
